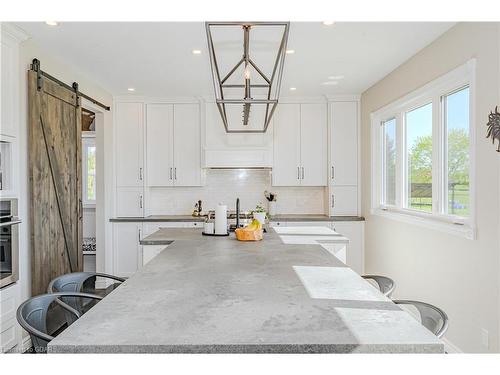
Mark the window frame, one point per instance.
(433, 92)
(88, 140)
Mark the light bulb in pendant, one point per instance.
(247, 72)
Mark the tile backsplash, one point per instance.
(225, 185)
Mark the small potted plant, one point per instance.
(271, 200)
(259, 214)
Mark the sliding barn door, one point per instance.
(55, 181)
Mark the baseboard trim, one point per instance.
(451, 348)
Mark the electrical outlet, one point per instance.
(485, 338)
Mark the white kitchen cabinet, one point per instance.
(127, 252)
(129, 123)
(343, 127)
(151, 251)
(159, 144)
(9, 330)
(286, 147)
(187, 145)
(354, 231)
(173, 148)
(8, 85)
(300, 145)
(129, 202)
(313, 144)
(343, 201)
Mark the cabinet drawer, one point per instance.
(8, 335)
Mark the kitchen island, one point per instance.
(217, 295)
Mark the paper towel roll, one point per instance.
(221, 219)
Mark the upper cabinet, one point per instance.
(159, 144)
(343, 143)
(187, 145)
(129, 120)
(300, 145)
(173, 145)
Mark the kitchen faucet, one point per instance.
(237, 212)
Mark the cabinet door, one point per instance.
(344, 201)
(313, 145)
(126, 248)
(354, 231)
(159, 144)
(129, 144)
(344, 143)
(187, 145)
(129, 202)
(286, 150)
(8, 89)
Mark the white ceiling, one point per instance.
(156, 58)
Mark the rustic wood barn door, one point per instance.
(55, 181)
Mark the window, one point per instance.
(89, 170)
(421, 149)
(389, 163)
(456, 117)
(419, 158)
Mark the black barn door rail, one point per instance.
(35, 66)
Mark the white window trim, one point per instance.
(88, 138)
(464, 75)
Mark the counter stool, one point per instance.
(385, 284)
(431, 317)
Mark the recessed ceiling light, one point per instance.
(328, 23)
(131, 89)
(196, 52)
(51, 23)
(290, 51)
(336, 77)
(330, 83)
(293, 88)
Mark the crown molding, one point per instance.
(343, 98)
(15, 32)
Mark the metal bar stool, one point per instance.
(385, 284)
(32, 316)
(78, 282)
(431, 317)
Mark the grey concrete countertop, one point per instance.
(188, 218)
(218, 295)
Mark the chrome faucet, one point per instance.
(237, 212)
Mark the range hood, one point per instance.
(228, 158)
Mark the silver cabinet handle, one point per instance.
(170, 172)
(140, 234)
(333, 200)
(333, 172)
(140, 173)
(302, 172)
(175, 173)
(140, 201)
(298, 173)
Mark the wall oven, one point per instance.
(9, 242)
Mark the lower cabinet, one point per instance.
(126, 248)
(8, 324)
(354, 230)
(353, 253)
(128, 254)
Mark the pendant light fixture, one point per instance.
(247, 83)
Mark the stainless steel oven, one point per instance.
(9, 242)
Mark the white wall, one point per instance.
(226, 185)
(67, 74)
(459, 275)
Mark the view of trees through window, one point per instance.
(419, 157)
(91, 187)
(390, 161)
(456, 107)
